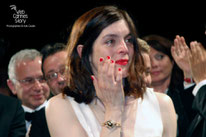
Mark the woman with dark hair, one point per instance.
(168, 78)
(163, 64)
(106, 94)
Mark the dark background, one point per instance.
(53, 20)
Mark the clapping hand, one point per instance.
(197, 60)
(179, 53)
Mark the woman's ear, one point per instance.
(79, 50)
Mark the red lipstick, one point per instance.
(122, 62)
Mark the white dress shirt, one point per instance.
(198, 86)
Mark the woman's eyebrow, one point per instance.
(110, 35)
(115, 35)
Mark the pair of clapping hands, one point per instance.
(192, 60)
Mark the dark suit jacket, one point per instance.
(39, 126)
(12, 121)
(198, 126)
(182, 100)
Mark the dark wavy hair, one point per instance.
(85, 31)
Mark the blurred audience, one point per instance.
(26, 81)
(53, 66)
(194, 61)
(168, 78)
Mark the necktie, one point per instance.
(29, 116)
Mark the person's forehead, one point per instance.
(58, 54)
(56, 60)
(115, 29)
(27, 62)
(27, 66)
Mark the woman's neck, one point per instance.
(161, 86)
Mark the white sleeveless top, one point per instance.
(148, 117)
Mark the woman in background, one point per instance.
(168, 78)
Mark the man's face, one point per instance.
(30, 86)
(54, 69)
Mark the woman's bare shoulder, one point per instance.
(166, 105)
(58, 102)
(168, 114)
(164, 100)
(60, 98)
(59, 111)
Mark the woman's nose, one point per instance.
(153, 62)
(123, 47)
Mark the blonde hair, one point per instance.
(143, 45)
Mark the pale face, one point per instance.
(161, 66)
(147, 75)
(31, 95)
(55, 64)
(114, 41)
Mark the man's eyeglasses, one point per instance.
(31, 81)
(54, 75)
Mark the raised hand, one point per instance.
(197, 60)
(179, 53)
